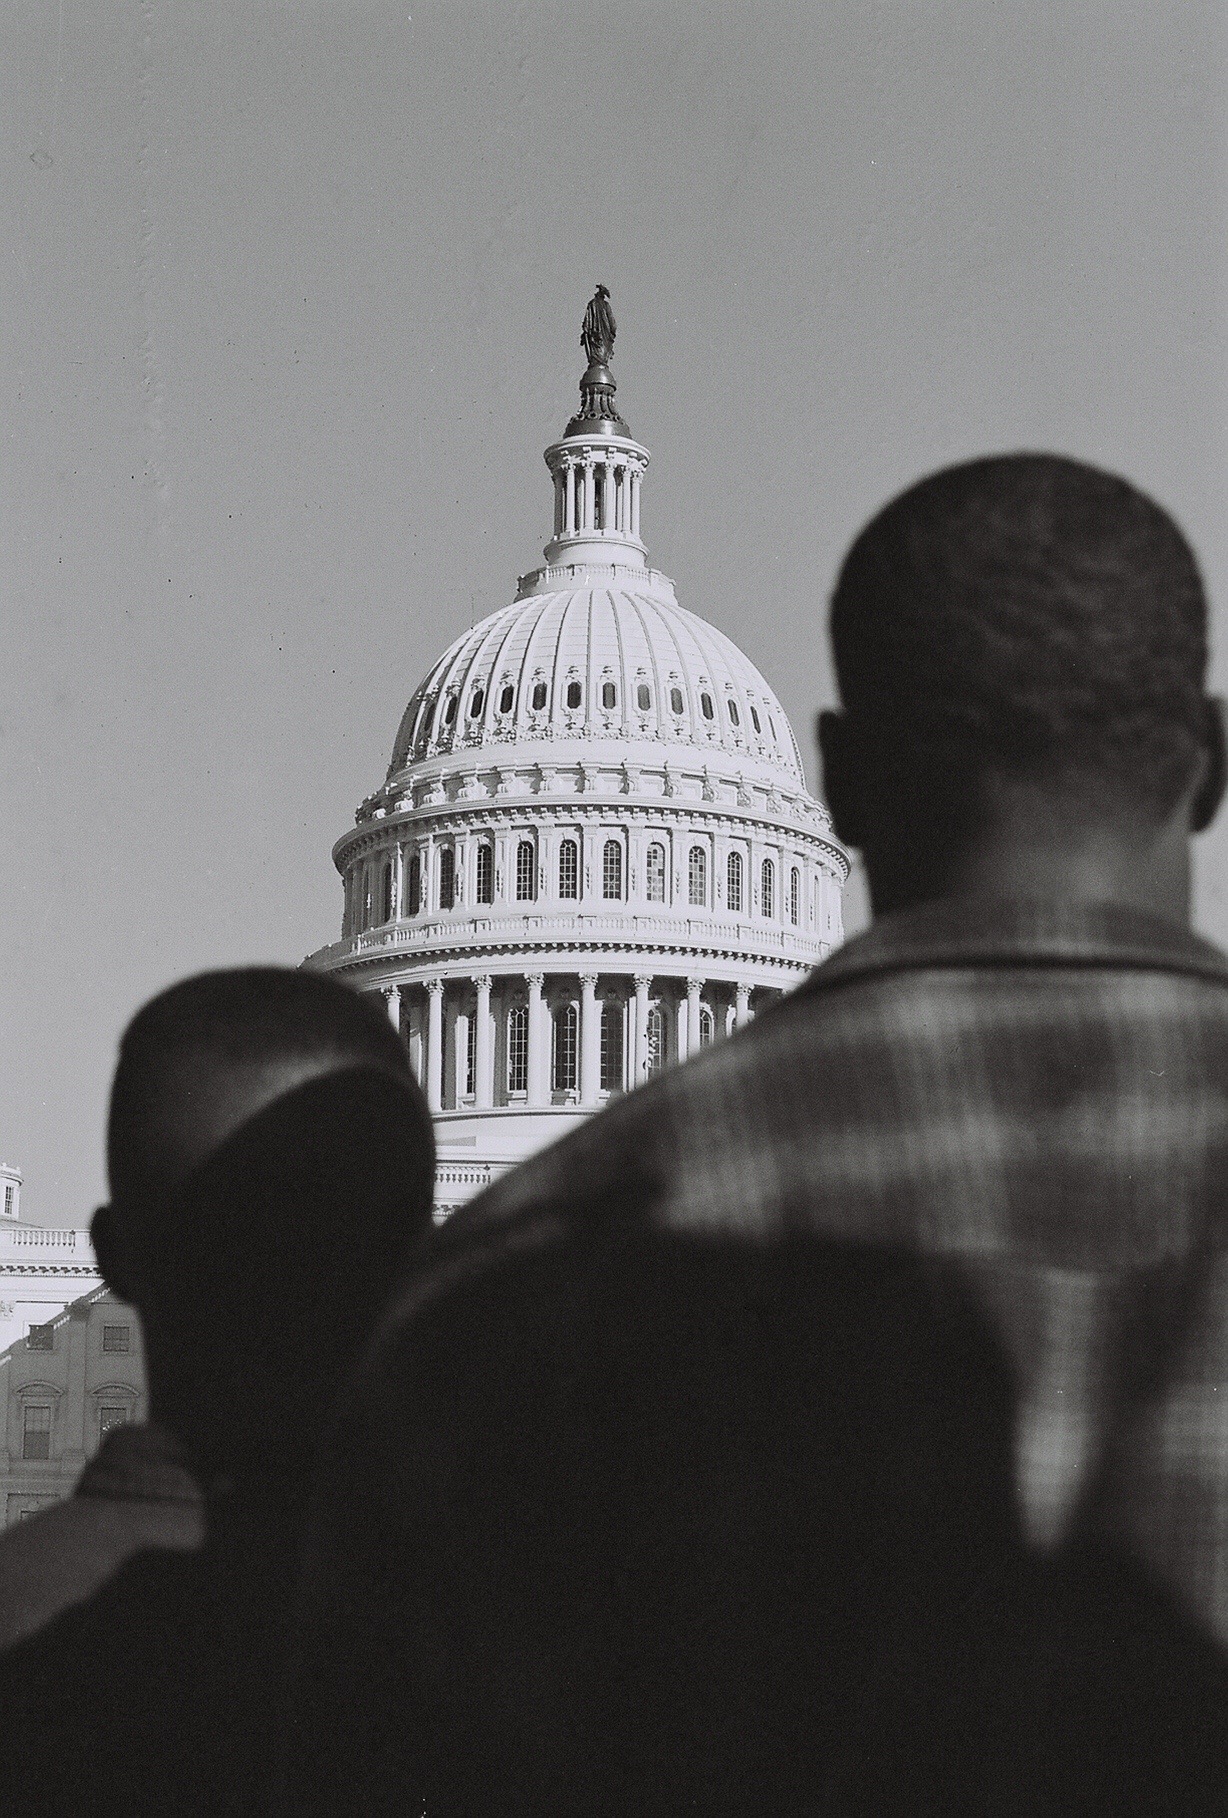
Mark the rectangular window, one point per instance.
(36, 1433)
(612, 871)
(654, 873)
(569, 869)
(526, 865)
(447, 878)
(40, 1338)
(611, 1047)
(518, 1048)
(697, 877)
(486, 874)
(566, 1043)
(109, 1416)
(117, 1338)
(10, 1193)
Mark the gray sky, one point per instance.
(290, 304)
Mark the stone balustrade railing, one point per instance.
(25, 1237)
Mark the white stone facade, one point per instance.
(594, 850)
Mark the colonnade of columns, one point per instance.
(575, 497)
(578, 1037)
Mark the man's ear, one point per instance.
(841, 787)
(107, 1238)
(1214, 779)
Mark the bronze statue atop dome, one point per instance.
(597, 334)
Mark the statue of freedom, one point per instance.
(597, 335)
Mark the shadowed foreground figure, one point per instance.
(271, 1161)
(836, 1424)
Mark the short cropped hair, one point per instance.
(245, 1016)
(1026, 616)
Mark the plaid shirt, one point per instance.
(1033, 1094)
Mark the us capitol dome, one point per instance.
(594, 851)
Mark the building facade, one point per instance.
(594, 850)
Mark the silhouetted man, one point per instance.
(694, 1474)
(271, 1161)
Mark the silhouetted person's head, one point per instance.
(1021, 649)
(271, 1160)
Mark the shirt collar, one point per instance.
(992, 931)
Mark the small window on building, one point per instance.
(675, 700)
(36, 1433)
(471, 1054)
(539, 696)
(486, 872)
(477, 703)
(506, 697)
(707, 1026)
(569, 869)
(449, 712)
(771, 725)
(611, 1047)
(733, 883)
(117, 1338)
(10, 1193)
(767, 888)
(518, 1048)
(654, 873)
(643, 697)
(754, 719)
(656, 1039)
(612, 870)
(697, 877)
(706, 707)
(795, 895)
(566, 1038)
(734, 717)
(112, 1415)
(526, 867)
(413, 896)
(40, 1338)
(447, 878)
(609, 695)
(574, 695)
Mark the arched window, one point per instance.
(767, 888)
(795, 895)
(385, 891)
(643, 697)
(413, 886)
(486, 872)
(733, 883)
(611, 1047)
(518, 1048)
(566, 1039)
(697, 876)
(526, 867)
(675, 700)
(609, 695)
(539, 696)
(575, 695)
(706, 707)
(735, 718)
(654, 873)
(656, 1039)
(569, 869)
(447, 878)
(612, 870)
(707, 1026)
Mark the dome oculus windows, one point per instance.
(506, 696)
(609, 696)
(643, 697)
(575, 694)
(754, 719)
(539, 696)
(734, 716)
(477, 703)
(449, 712)
(706, 707)
(675, 700)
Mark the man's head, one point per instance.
(271, 1159)
(1021, 648)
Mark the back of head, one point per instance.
(271, 1162)
(1025, 618)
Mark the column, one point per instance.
(433, 1069)
(536, 1095)
(741, 1015)
(642, 982)
(558, 503)
(590, 1040)
(611, 518)
(392, 997)
(484, 1048)
(459, 1020)
(693, 988)
(635, 503)
(586, 494)
(569, 510)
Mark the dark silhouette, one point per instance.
(271, 1161)
(833, 1425)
